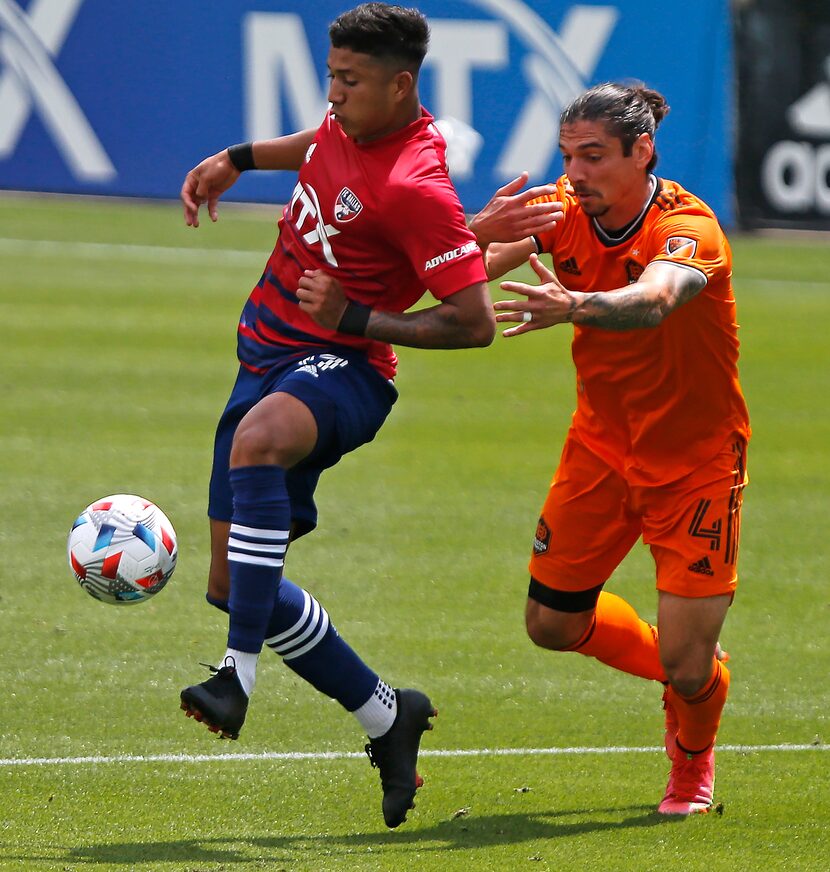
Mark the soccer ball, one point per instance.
(122, 549)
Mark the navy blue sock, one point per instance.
(258, 538)
(299, 630)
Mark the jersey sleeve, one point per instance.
(427, 222)
(546, 242)
(694, 241)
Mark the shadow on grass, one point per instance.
(458, 834)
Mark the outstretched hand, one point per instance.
(205, 183)
(547, 304)
(508, 218)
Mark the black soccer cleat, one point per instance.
(219, 703)
(396, 754)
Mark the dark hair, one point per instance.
(628, 112)
(386, 32)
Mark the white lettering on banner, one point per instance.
(29, 42)
(310, 212)
(278, 62)
(455, 49)
(556, 69)
(795, 177)
(279, 66)
(452, 254)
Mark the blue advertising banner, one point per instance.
(118, 98)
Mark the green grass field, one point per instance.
(117, 356)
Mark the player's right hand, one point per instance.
(205, 183)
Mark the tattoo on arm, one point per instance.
(646, 303)
(436, 327)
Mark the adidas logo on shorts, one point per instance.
(702, 567)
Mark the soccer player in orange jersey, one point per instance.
(657, 445)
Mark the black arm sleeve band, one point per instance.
(355, 319)
(242, 156)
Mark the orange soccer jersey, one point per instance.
(654, 403)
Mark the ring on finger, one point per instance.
(527, 316)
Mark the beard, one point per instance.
(593, 205)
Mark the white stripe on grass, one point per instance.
(151, 253)
(232, 256)
(314, 756)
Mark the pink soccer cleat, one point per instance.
(691, 783)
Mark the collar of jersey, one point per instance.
(402, 133)
(618, 236)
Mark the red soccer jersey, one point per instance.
(655, 403)
(383, 218)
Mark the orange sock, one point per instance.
(618, 637)
(698, 716)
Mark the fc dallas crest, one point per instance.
(347, 206)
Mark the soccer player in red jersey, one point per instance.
(373, 223)
(657, 444)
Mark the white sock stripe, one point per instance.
(275, 640)
(318, 616)
(259, 533)
(239, 557)
(260, 540)
(256, 547)
(324, 626)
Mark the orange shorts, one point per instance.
(592, 518)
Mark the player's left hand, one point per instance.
(547, 304)
(507, 217)
(322, 297)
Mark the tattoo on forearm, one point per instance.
(437, 327)
(636, 306)
(620, 311)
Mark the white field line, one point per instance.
(151, 253)
(228, 256)
(353, 755)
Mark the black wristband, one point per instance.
(242, 156)
(355, 319)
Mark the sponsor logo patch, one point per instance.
(347, 206)
(452, 254)
(541, 541)
(681, 246)
(569, 265)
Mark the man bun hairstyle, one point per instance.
(389, 33)
(627, 111)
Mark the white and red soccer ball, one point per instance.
(122, 549)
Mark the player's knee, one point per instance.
(253, 446)
(685, 675)
(269, 439)
(550, 629)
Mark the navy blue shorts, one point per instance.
(349, 400)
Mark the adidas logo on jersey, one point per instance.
(702, 567)
(569, 265)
